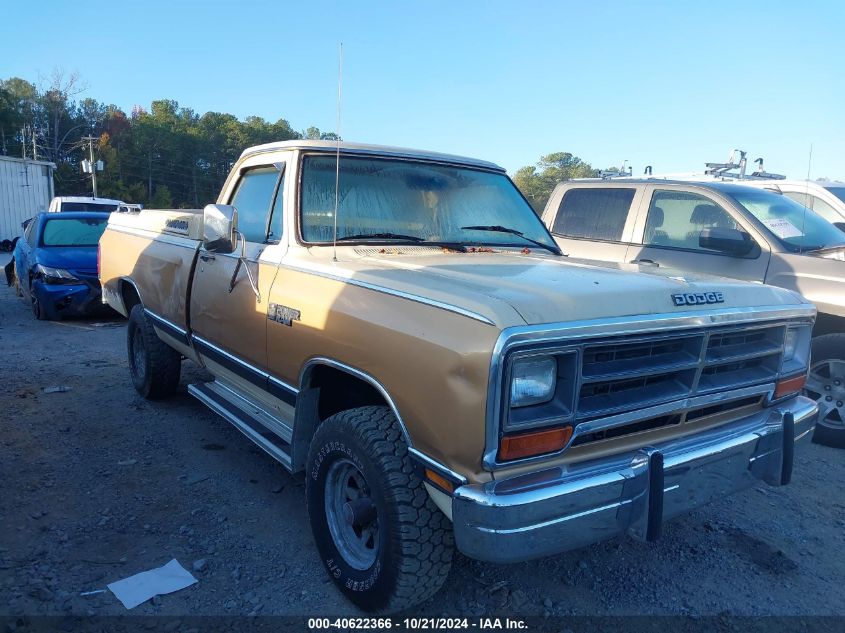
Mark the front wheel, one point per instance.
(155, 367)
(382, 540)
(38, 310)
(826, 385)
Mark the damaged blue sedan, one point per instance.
(55, 264)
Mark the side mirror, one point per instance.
(220, 224)
(729, 241)
(840, 226)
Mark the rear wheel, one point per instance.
(155, 367)
(382, 540)
(826, 385)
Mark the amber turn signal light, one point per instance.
(533, 443)
(790, 385)
(439, 480)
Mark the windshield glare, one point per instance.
(73, 232)
(421, 200)
(795, 226)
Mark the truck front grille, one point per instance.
(635, 372)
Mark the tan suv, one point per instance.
(720, 228)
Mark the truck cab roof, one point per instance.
(374, 150)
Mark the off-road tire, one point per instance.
(415, 541)
(155, 367)
(828, 347)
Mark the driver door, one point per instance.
(229, 320)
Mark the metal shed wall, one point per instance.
(26, 187)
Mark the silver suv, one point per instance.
(726, 229)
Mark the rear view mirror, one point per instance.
(728, 241)
(220, 224)
(840, 226)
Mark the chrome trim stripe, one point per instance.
(437, 465)
(168, 327)
(564, 333)
(694, 402)
(305, 375)
(396, 293)
(233, 364)
(282, 390)
(258, 377)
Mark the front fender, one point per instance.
(820, 280)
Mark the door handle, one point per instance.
(645, 261)
(207, 258)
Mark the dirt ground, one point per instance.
(99, 484)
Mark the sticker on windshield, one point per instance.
(782, 228)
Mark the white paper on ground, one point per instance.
(141, 587)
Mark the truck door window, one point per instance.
(816, 204)
(596, 214)
(274, 233)
(676, 219)
(252, 199)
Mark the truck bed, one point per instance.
(154, 249)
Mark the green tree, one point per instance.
(162, 198)
(537, 181)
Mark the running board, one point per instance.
(269, 433)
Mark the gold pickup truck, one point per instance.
(401, 326)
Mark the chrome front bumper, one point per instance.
(559, 509)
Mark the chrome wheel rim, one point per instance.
(351, 514)
(826, 385)
(137, 356)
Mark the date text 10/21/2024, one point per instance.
(417, 623)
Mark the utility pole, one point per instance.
(91, 140)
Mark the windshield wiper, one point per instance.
(496, 228)
(401, 237)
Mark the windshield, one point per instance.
(795, 226)
(73, 232)
(414, 202)
(839, 192)
(89, 206)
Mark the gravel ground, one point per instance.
(99, 484)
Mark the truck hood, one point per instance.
(512, 288)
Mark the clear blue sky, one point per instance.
(671, 84)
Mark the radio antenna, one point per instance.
(337, 153)
(806, 195)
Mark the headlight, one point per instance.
(55, 275)
(796, 349)
(533, 381)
